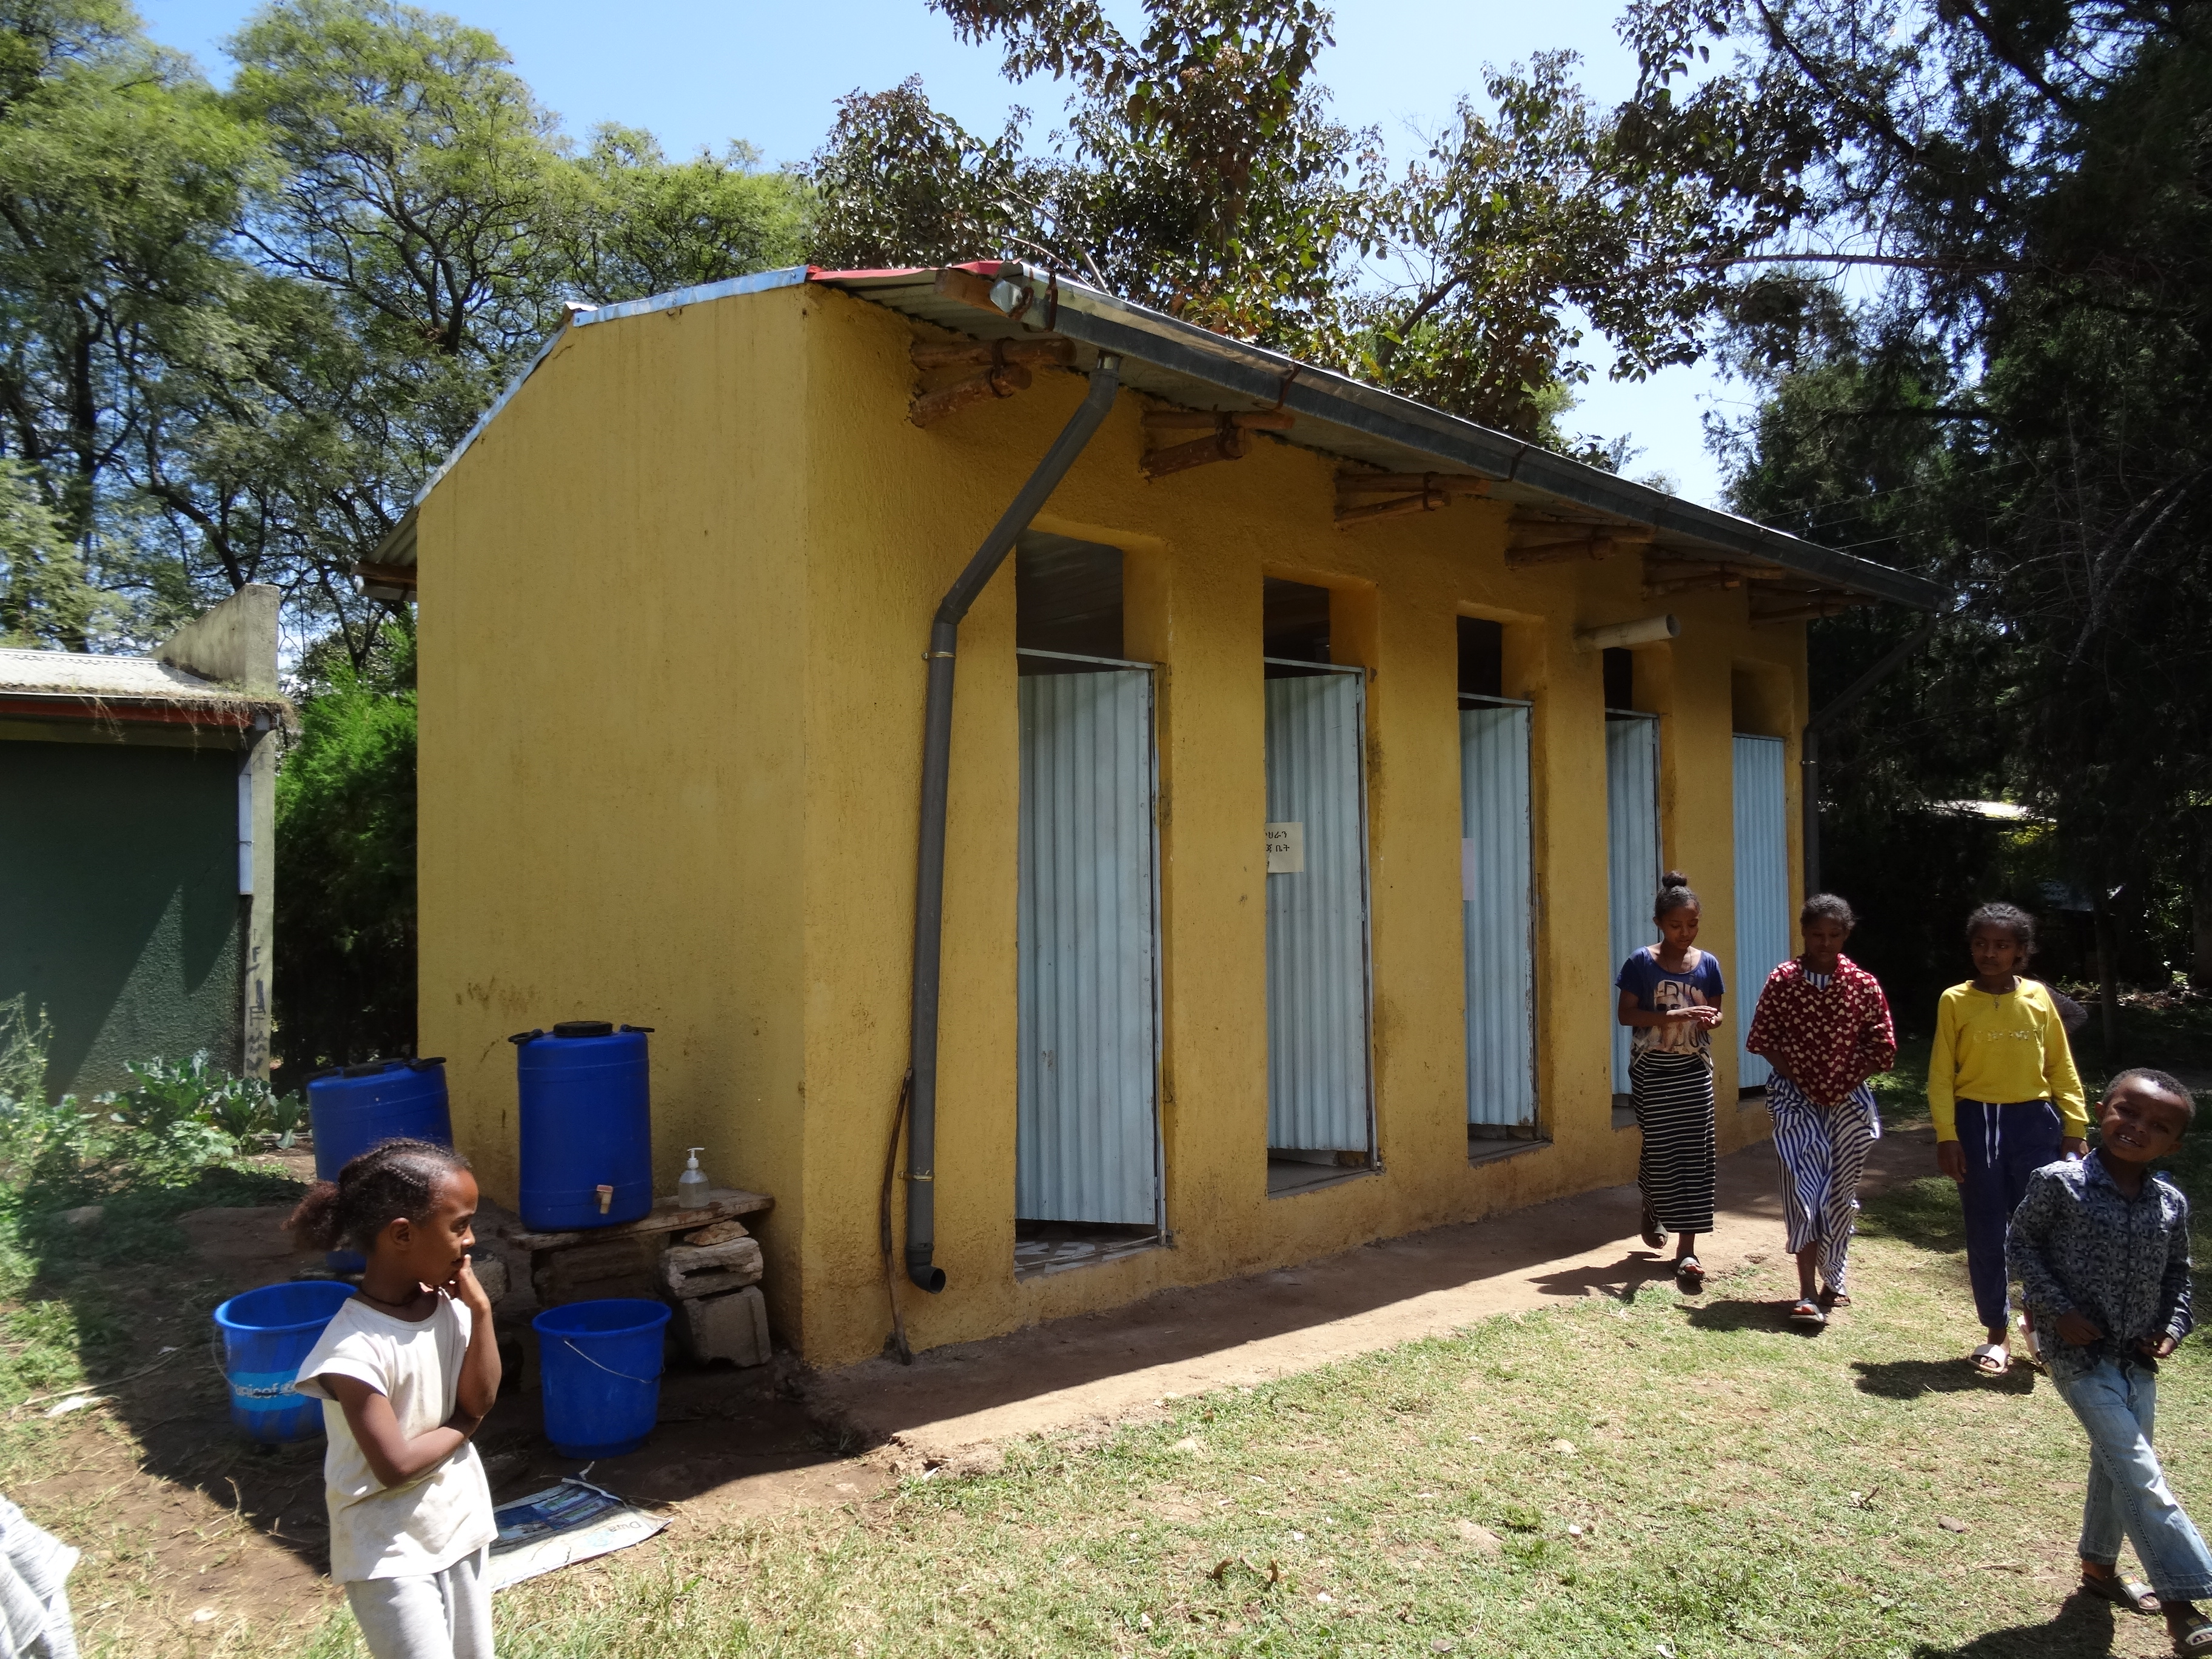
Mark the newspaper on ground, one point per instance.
(571, 1521)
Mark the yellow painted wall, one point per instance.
(674, 604)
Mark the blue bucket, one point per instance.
(599, 1362)
(354, 1108)
(266, 1334)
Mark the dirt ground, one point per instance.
(192, 1537)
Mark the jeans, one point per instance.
(2004, 1145)
(2128, 1493)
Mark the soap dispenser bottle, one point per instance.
(691, 1185)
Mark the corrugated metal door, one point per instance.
(1317, 991)
(1495, 886)
(1762, 885)
(1631, 814)
(1086, 1141)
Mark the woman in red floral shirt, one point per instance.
(1824, 1025)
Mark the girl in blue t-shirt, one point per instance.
(1670, 997)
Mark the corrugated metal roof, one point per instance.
(76, 681)
(1182, 364)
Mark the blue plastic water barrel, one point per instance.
(352, 1110)
(600, 1364)
(587, 1122)
(266, 1334)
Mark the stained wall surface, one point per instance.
(120, 918)
(673, 608)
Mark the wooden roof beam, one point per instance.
(1224, 436)
(1545, 546)
(1406, 494)
(990, 353)
(1662, 577)
(1813, 607)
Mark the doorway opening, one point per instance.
(1320, 1117)
(1497, 865)
(1088, 1184)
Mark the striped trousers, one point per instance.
(1823, 1151)
(1674, 1095)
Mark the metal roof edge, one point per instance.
(1112, 323)
(757, 282)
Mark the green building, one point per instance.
(138, 833)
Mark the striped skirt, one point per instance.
(1674, 1095)
(1823, 1152)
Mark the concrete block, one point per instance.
(732, 1327)
(693, 1270)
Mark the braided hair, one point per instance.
(2010, 917)
(392, 1180)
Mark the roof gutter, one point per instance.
(1113, 324)
(936, 775)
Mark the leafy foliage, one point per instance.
(2020, 407)
(175, 1121)
(345, 862)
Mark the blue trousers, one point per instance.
(2116, 1403)
(2004, 1144)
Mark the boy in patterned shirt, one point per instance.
(2100, 1245)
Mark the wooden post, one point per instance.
(1002, 380)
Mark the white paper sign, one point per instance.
(1286, 849)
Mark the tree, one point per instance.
(2029, 182)
(120, 176)
(345, 861)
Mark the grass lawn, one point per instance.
(1656, 1477)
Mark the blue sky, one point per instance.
(699, 74)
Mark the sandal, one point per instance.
(1653, 1234)
(1991, 1360)
(1690, 1274)
(1832, 1298)
(2194, 1638)
(2129, 1593)
(1806, 1312)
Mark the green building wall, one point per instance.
(119, 910)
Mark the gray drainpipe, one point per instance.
(1809, 749)
(936, 768)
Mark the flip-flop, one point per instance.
(1690, 1274)
(1806, 1312)
(2122, 1592)
(1831, 1297)
(1653, 1234)
(1991, 1360)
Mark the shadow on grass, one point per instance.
(2083, 1627)
(137, 1317)
(1738, 1314)
(1924, 1213)
(1909, 1379)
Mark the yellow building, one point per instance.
(1299, 805)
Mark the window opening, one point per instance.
(1619, 667)
(1481, 658)
(1068, 601)
(1294, 628)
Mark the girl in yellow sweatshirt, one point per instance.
(2006, 1100)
